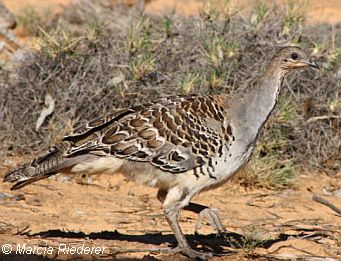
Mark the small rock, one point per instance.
(16, 197)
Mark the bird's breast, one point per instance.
(233, 158)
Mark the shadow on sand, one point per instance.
(221, 245)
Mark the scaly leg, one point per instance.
(202, 211)
(172, 204)
(206, 212)
(183, 245)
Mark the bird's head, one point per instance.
(290, 58)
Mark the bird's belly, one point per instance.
(140, 172)
(98, 165)
(221, 170)
(146, 174)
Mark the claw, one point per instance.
(213, 220)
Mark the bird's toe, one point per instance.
(213, 220)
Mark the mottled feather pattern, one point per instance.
(38, 168)
(175, 135)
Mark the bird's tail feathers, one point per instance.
(37, 169)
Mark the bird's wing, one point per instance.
(175, 135)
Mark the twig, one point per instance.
(323, 201)
(23, 231)
(325, 117)
(300, 257)
(49, 102)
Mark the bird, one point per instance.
(181, 145)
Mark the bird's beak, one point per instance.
(313, 65)
(309, 63)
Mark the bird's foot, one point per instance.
(191, 253)
(213, 220)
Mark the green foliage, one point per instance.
(259, 13)
(210, 10)
(269, 171)
(334, 56)
(95, 29)
(140, 45)
(217, 80)
(141, 65)
(213, 50)
(187, 84)
(214, 9)
(287, 109)
(218, 49)
(250, 239)
(139, 36)
(167, 25)
(295, 14)
(59, 41)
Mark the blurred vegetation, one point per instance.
(95, 59)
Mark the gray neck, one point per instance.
(251, 110)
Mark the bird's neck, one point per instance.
(251, 110)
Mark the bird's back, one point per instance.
(173, 136)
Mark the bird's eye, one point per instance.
(294, 56)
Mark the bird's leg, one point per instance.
(172, 202)
(202, 211)
(206, 212)
(183, 245)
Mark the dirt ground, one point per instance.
(127, 220)
(318, 10)
(110, 212)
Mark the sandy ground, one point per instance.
(318, 10)
(124, 217)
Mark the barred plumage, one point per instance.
(176, 135)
